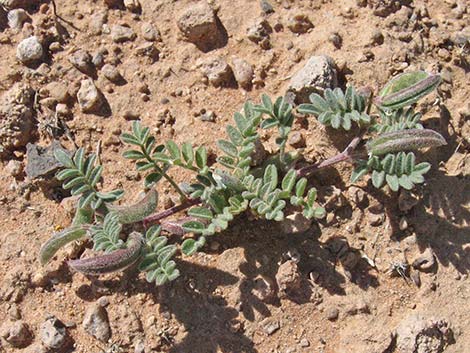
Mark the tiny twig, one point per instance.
(56, 15)
(171, 211)
(345, 156)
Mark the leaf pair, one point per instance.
(156, 260)
(337, 108)
(397, 120)
(81, 176)
(396, 170)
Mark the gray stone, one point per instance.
(120, 34)
(53, 333)
(89, 97)
(17, 334)
(243, 72)
(218, 72)
(150, 33)
(317, 74)
(81, 60)
(200, 26)
(29, 50)
(112, 73)
(17, 17)
(96, 323)
(41, 162)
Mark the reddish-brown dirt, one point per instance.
(348, 301)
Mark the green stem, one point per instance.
(282, 152)
(162, 172)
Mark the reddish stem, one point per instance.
(171, 211)
(345, 156)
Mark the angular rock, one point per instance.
(90, 99)
(81, 59)
(317, 74)
(17, 17)
(17, 334)
(243, 72)
(29, 50)
(218, 72)
(201, 26)
(41, 162)
(121, 34)
(53, 333)
(96, 323)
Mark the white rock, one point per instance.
(29, 50)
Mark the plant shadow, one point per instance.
(441, 218)
(210, 323)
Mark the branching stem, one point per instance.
(171, 211)
(165, 175)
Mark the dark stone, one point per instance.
(41, 160)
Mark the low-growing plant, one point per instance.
(235, 184)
